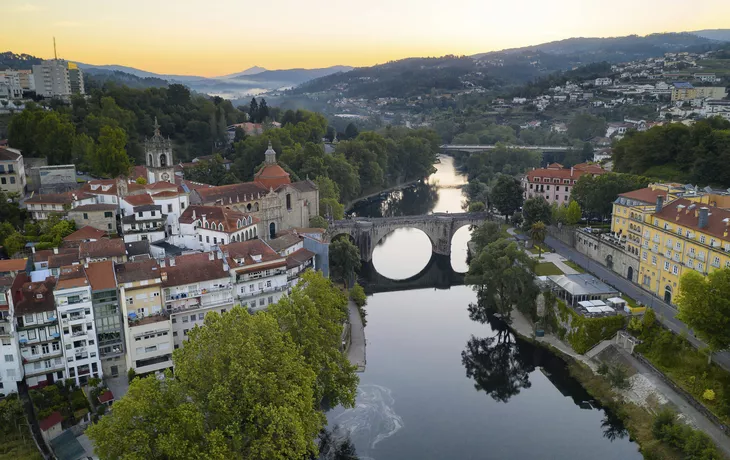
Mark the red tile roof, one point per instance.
(205, 269)
(138, 200)
(272, 176)
(646, 195)
(51, 421)
(137, 271)
(13, 265)
(58, 198)
(8, 154)
(72, 276)
(86, 233)
(63, 258)
(572, 173)
(216, 215)
(102, 248)
(688, 217)
(36, 297)
(101, 187)
(251, 252)
(229, 194)
(106, 397)
(299, 257)
(101, 275)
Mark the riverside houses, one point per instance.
(147, 327)
(191, 293)
(73, 303)
(38, 335)
(259, 273)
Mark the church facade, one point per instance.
(159, 159)
(276, 201)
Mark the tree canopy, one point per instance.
(596, 194)
(245, 386)
(506, 195)
(534, 210)
(344, 259)
(704, 305)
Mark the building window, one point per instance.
(185, 331)
(700, 266)
(288, 201)
(139, 214)
(108, 215)
(675, 270)
(643, 255)
(169, 208)
(702, 239)
(192, 318)
(8, 358)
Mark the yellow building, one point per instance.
(683, 91)
(683, 234)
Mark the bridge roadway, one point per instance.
(485, 147)
(439, 227)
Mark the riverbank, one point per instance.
(356, 349)
(351, 204)
(636, 415)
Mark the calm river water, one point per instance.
(441, 386)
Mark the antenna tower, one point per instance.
(55, 54)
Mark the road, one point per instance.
(665, 312)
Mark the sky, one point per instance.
(218, 37)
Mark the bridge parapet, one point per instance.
(439, 227)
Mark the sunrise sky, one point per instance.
(217, 37)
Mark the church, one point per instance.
(272, 198)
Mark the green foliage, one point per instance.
(506, 195)
(357, 294)
(313, 315)
(211, 172)
(14, 243)
(318, 222)
(708, 395)
(536, 210)
(573, 213)
(538, 232)
(701, 149)
(585, 126)
(141, 181)
(17, 442)
(584, 333)
(110, 156)
(603, 369)
(693, 443)
(596, 194)
(344, 260)
(618, 377)
(477, 206)
(501, 274)
(131, 374)
(704, 305)
(486, 234)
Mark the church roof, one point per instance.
(234, 193)
(272, 176)
(231, 219)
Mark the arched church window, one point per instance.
(149, 160)
(256, 207)
(163, 160)
(220, 227)
(248, 207)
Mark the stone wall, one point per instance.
(94, 219)
(607, 254)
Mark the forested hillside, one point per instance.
(699, 154)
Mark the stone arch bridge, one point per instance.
(439, 227)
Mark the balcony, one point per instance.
(636, 230)
(183, 295)
(5, 332)
(691, 255)
(645, 245)
(73, 318)
(701, 257)
(636, 218)
(668, 244)
(22, 325)
(259, 275)
(655, 239)
(45, 370)
(217, 302)
(42, 356)
(261, 292)
(183, 308)
(79, 333)
(716, 264)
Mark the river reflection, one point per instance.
(440, 385)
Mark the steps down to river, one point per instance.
(593, 352)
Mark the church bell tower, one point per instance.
(158, 156)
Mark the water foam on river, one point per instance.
(373, 418)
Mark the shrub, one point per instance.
(618, 376)
(709, 395)
(131, 374)
(357, 294)
(664, 418)
(94, 382)
(603, 369)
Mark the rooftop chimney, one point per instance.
(704, 217)
(211, 256)
(172, 261)
(55, 250)
(163, 275)
(659, 203)
(162, 263)
(571, 171)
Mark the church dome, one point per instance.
(272, 175)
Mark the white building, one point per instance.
(298, 258)
(12, 171)
(75, 309)
(147, 326)
(38, 335)
(10, 86)
(11, 367)
(258, 273)
(190, 294)
(58, 78)
(147, 222)
(206, 227)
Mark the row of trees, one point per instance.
(245, 386)
(697, 153)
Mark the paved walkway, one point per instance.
(356, 352)
(556, 259)
(665, 312)
(696, 418)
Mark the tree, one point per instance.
(253, 110)
(329, 196)
(141, 180)
(158, 411)
(477, 206)
(573, 213)
(110, 156)
(536, 210)
(595, 194)
(318, 222)
(486, 234)
(502, 276)
(313, 315)
(263, 112)
(506, 195)
(252, 383)
(351, 131)
(704, 305)
(14, 243)
(344, 260)
(585, 126)
(538, 231)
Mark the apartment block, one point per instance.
(58, 78)
(74, 306)
(39, 338)
(108, 317)
(11, 367)
(12, 171)
(147, 326)
(258, 273)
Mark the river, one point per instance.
(441, 386)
